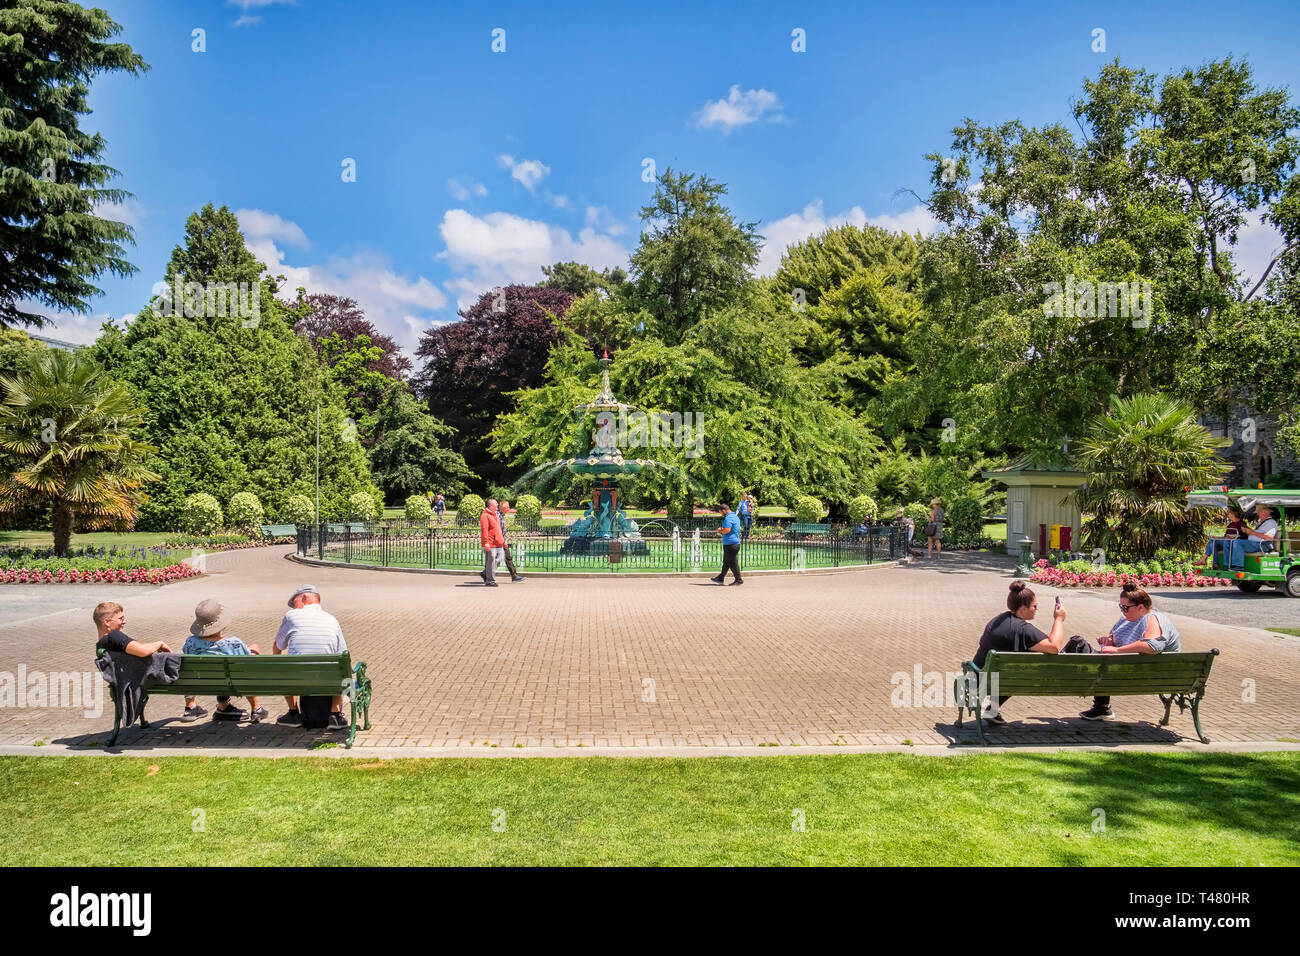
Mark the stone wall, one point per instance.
(1256, 451)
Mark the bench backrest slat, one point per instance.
(288, 673)
(1068, 674)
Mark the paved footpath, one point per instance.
(787, 660)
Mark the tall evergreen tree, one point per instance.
(52, 243)
(231, 400)
(694, 258)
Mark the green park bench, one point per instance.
(279, 530)
(1174, 678)
(297, 675)
(355, 527)
(801, 529)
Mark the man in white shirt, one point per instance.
(1256, 538)
(309, 629)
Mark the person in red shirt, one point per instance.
(1236, 529)
(493, 543)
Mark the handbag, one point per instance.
(930, 529)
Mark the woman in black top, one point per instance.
(1011, 631)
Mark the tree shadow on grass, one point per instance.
(1248, 793)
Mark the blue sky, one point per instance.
(475, 167)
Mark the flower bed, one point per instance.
(63, 575)
(1069, 575)
(86, 559)
(155, 565)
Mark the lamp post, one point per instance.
(318, 532)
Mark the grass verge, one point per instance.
(888, 809)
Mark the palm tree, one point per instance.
(68, 430)
(1141, 458)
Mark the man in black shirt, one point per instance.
(110, 618)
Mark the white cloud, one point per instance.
(601, 219)
(528, 171)
(246, 21)
(739, 109)
(499, 249)
(461, 191)
(129, 212)
(560, 201)
(389, 300)
(259, 226)
(256, 4)
(1257, 244)
(812, 220)
(64, 327)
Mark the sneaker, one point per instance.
(716, 580)
(337, 722)
(194, 713)
(993, 717)
(230, 713)
(1098, 713)
(517, 578)
(257, 715)
(737, 582)
(290, 719)
(483, 575)
(491, 584)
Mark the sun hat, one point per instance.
(209, 618)
(306, 589)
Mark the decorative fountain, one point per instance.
(605, 527)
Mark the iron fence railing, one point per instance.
(664, 547)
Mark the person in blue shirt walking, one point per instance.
(730, 532)
(746, 515)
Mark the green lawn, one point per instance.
(995, 809)
(1293, 631)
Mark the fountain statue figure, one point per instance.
(605, 523)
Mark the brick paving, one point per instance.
(786, 660)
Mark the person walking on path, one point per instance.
(439, 506)
(934, 530)
(504, 508)
(746, 516)
(489, 524)
(730, 532)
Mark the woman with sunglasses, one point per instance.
(1140, 630)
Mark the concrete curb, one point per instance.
(470, 753)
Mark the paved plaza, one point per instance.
(788, 660)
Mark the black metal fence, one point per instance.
(665, 548)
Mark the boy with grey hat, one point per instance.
(207, 636)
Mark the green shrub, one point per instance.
(298, 510)
(418, 508)
(468, 510)
(919, 513)
(862, 508)
(808, 510)
(201, 514)
(361, 506)
(529, 510)
(244, 512)
(966, 519)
